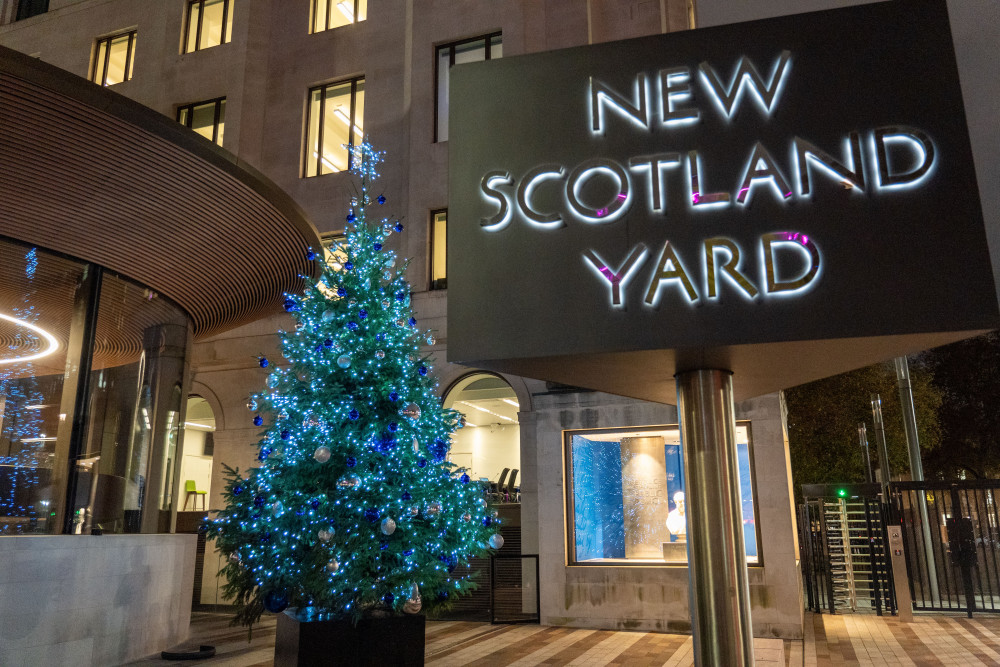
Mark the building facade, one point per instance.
(281, 84)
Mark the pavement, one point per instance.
(842, 639)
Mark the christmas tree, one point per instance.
(354, 510)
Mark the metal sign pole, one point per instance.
(719, 589)
(883, 448)
(863, 440)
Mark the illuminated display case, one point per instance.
(625, 496)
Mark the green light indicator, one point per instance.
(842, 493)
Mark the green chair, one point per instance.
(192, 490)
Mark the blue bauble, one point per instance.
(237, 490)
(381, 199)
(407, 496)
(421, 463)
(328, 343)
(258, 420)
(314, 503)
(362, 314)
(422, 370)
(310, 255)
(348, 266)
(408, 552)
(353, 414)
(439, 450)
(389, 599)
(487, 521)
(264, 453)
(351, 462)
(263, 362)
(371, 514)
(398, 226)
(258, 501)
(341, 292)
(393, 396)
(393, 426)
(285, 435)
(351, 217)
(413, 321)
(265, 538)
(400, 296)
(276, 601)
(352, 325)
(464, 478)
(383, 546)
(300, 512)
(290, 304)
(377, 246)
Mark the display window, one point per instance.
(625, 496)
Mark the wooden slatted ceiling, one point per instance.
(91, 174)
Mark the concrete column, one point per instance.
(719, 589)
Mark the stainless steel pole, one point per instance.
(719, 589)
(916, 465)
(883, 448)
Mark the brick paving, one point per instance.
(848, 639)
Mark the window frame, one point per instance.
(569, 517)
(129, 57)
(226, 9)
(27, 9)
(354, 81)
(217, 101)
(488, 37)
(432, 283)
(330, 6)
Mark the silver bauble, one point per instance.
(283, 414)
(413, 603)
(327, 315)
(234, 558)
(496, 541)
(386, 303)
(272, 380)
(252, 404)
(416, 445)
(434, 508)
(431, 340)
(344, 361)
(380, 354)
(388, 526)
(322, 454)
(387, 275)
(325, 534)
(414, 510)
(277, 508)
(352, 302)
(333, 565)
(466, 517)
(349, 482)
(387, 230)
(389, 262)
(482, 503)
(410, 411)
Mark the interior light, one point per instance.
(37, 439)
(203, 427)
(510, 402)
(346, 10)
(489, 412)
(346, 120)
(53, 343)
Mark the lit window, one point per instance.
(335, 121)
(487, 47)
(328, 14)
(439, 249)
(335, 254)
(625, 496)
(28, 8)
(113, 59)
(206, 118)
(209, 23)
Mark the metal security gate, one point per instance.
(842, 541)
(952, 558)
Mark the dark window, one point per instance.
(335, 121)
(209, 23)
(472, 50)
(28, 8)
(206, 118)
(328, 14)
(113, 59)
(439, 249)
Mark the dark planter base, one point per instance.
(395, 640)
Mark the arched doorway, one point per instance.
(489, 445)
(199, 449)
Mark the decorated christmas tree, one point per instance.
(353, 510)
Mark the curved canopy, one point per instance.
(93, 175)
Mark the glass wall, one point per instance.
(625, 495)
(489, 445)
(91, 373)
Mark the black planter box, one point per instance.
(394, 640)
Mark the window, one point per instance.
(328, 14)
(439, 249)
(28, 8)
(334, 121)
(472, 50)
(113, 59)
(206, 118)
(209, 23)
(625, 496)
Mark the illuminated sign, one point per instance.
(805, 178)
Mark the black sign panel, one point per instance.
(723, 197)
